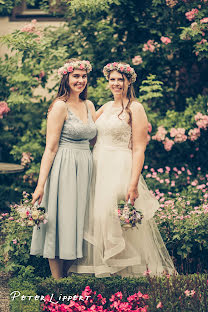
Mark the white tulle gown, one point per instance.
(108, 248)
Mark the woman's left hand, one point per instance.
(132, 194)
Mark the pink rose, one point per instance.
(121, 68)
(81, 66)
(190, 15)
(204, 20)
(128, 68)
(70, 69)
(115, 63)
(64, 72)
(137, 60)
(165, 40)
(14, 241)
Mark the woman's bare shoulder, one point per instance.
(136, 106)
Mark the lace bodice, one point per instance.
(74, 129)
(113, 130)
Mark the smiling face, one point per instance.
(77, 80)
(118, 84)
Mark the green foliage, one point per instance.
(15, 250)
(100, 94)
(6, 6)
(24, 285)
(150, 91)
(158, 289)
(92, 5)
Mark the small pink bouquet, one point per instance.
(128, 215)
(31, 215)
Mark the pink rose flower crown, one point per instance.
(121, 68)
(70, 67)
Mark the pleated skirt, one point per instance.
(66, 196)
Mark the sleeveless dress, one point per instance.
(66, 194)
(108, 248)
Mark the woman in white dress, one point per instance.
(118, 158)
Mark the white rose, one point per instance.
(35, 214)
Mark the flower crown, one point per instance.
(121, 68)
(69, 67)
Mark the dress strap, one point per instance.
(88, 110)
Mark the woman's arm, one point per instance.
(55, 122)
(139, 142)
(101, 109)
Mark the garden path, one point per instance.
(4, 292)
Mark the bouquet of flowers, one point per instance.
(128, 215)
(31, 215)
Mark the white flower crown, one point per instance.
(70, 67)
(121, 68)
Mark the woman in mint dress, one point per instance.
(66, 169)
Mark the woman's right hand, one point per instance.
(37, 195)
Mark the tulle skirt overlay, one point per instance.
(108, 248)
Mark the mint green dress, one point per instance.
(66, 193)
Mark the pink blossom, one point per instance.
(14, 241)
(26, 158)
(149, 127)
(165, 40)
(137, 60)
(204, 20)
(178, 134)
(202, 41)
(4, 109)
(201, 120)
(145, 167)
(150, 46)
(189, 293)
(159, 305)
(194, 25)
(160, 134)
(160, 170)
(171, 3)
(147, 272)
(81, 66)
(64, 72)
(190, 15)
(168, 144)
(70, 69)
(194, 183)
(194, 134)
(10, 218)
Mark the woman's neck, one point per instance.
(119, 100)
(74, 99)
